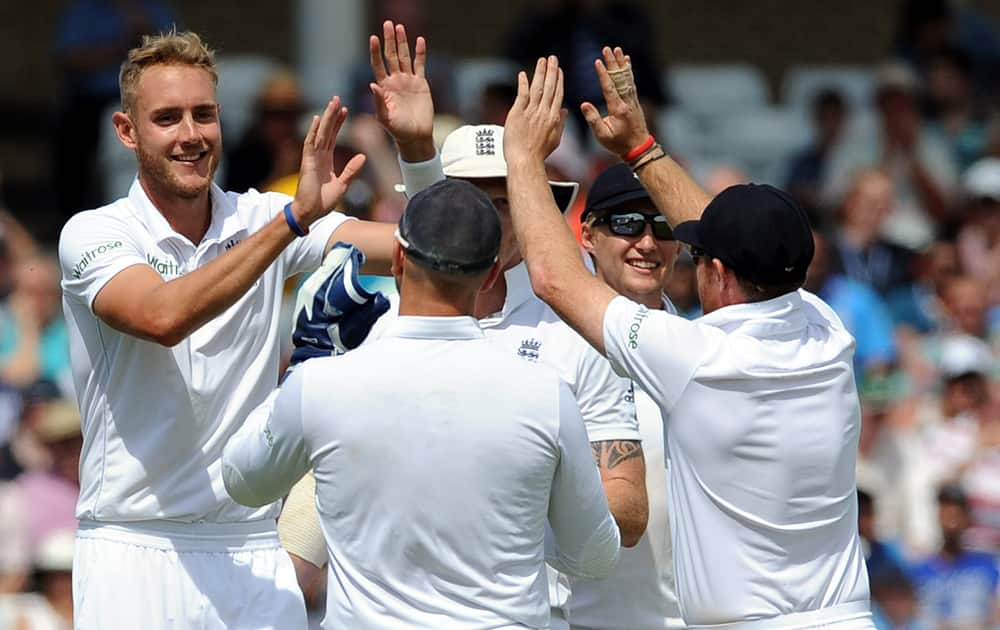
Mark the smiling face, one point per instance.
(638, 267)
(174, 130)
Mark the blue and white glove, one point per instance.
(333, 312)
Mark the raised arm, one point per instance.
(531, 132)
(624, 129)
(139, 302)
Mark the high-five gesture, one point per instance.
(320, 189)
(624, 128)
(403, 103)
(535, 122)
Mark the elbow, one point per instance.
(164, 328)
(543, 284)
(631, 531)
(238, 488)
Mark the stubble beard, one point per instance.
(160, 175)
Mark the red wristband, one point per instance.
(639, 150)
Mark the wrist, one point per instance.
(416, 150)
(636, 150)
(295, 218)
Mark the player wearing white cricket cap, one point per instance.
(633, 250)
(438, 457)
(511, 316)
(758, 395)
(171, 298)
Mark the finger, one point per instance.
(338, 123)
(375, 54)
(557, 100)
(591, 115)
(403, 49)
(351, 169)
(611, 96)
(609, 58)
(537, 82)
(310, 141)
(380, 108)
(522, 91)
(421, 56)
(326, 122)
(551, 78)
(389, 40)
(619, 56)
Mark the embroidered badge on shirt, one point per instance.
(529, 349)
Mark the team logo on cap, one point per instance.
(529, 349)
(485, 143)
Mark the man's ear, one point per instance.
(397, 259)
(587, 236)
(125, 130)
(492, 277)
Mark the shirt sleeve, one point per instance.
(586, 540)
(420, 175)
(269, 453)
(658, 351)
(605, 399)
(306, 253)
(93, 249)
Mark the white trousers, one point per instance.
(161, 575)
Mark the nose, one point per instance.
(646, 242)
(188, 130)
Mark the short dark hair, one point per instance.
(756, 292)
(826, 98)
(953, 494)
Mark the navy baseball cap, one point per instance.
(451, 227)
(614, 187)
(757, 231)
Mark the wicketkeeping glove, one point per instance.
(333, 312)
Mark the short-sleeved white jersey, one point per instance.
(640, 593)
(762, 426)
(438, 461)
(155, 419)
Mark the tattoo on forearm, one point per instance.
(610, 453)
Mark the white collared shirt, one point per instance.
(762, 422)
(155, 419)
(640, 594)
(438, 461)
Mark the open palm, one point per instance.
(403, 103)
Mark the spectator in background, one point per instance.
(957, 587)
(805, 169)
(576, 30)
(271, 147)
(92, 38)
(860, 308)
(951, 107)
(978, 238)
(495, 102)
(860, 251)
(881, 558)
(34, 344)
(919, 163)
(894, 602)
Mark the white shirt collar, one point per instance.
(776, 317)
(420, 327)
(225, 222)
(518, 287)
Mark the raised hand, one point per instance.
(403, 103)
(320, 189)
(624, 128)
(535, 122)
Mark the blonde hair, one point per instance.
(173, 48)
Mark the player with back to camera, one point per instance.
(438, 457)
(761, 410)
(172, 298)
(511, 316)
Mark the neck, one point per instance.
(189, 217)
(492, 300)
(420, 297)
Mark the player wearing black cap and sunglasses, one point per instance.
(761, 410)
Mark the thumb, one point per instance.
(352, 168)
(593, 117)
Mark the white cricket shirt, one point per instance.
(155, 419)
(762, 423)
(640, 593)
(438, 461)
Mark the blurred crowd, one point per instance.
(902, 183)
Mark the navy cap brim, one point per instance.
(617, 200)
(687, 232)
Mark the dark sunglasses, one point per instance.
(696, 253)
(634, 224)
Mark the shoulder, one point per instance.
(107, 226)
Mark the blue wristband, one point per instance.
(292, 223)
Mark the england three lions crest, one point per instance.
(485, 144)
(529, 349)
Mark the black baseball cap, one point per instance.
(757, 231)
(451, 227)
(615, 186)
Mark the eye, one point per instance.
(208, 114)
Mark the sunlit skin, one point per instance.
(638, 267)
(175, 131)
